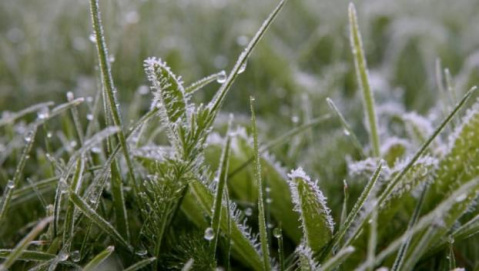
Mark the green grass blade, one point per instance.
(11, 118)
(243, 57)
(98, 259)
(109, 88)
(363, 78)
(141, 264)
(310, 203)
(223, 177)
(7, 195)
(16, 253)
(98, 220)
(193, 88)
(28, 255)
(263, 232)
(338, 259)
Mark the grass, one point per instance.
(255, 168)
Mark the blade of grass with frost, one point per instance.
(239, 65)
(219, 77)
(76, 119)
(347, 128)
(363, 78)
(430, 220)
(23, 193)
(404, 247)
(98, 220)
(141, 264)
(12, 117)
(7, 195)
(222, 179)
(310, 203)
(259, 182)
(344, 210)
(200, 200)
(98, 259)
(357, 207)
(28, 255)
(68, 229)
(16, 253)
(373, 236)
(109, 88)
(280, 140)
(337, 259)
(306, 261)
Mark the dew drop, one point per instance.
(89, 117)
(49, 135)
(141, 251)
(209, 234)
(43, 113)
(70, 96)
(143, 90)
(92, 37)
(221, 77)
(269, 200)
(295, 119)
(270, 225)
(63, 186)
(242, 68)
(75, 256)
(346, 132)
(277, 232)
(248, 211)
(95, 150)
(73, 144)
(111, 58)
(89, 99)
(28, 137)
(63, 256)
(11, 184)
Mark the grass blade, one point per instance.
(193, 88)
(28, 255)
(98, 220)
(23, 244)
(363, 78)
(98, 259)
(339, 258)
(11, 118)
(141, 264)
(263, 232)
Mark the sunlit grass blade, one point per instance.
(108, 85)
(28, 255)
(8, 192)
(220, 190)
(243, 57)
(217, 77)
(98, 220)
(316, 220)
(263, 232)
(363, 79)
(141, 264)
(98, 259)
(12, 117)
(16, 253)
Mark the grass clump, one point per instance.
(183, 187)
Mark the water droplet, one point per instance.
(221, 77)
(11, 184)
(28, 137)
(242, 40)
(43, 113)
(89, 99)
(346, 132)
(95, 150)
(270, 225)
(63, 256)
(111, 58)
(248, 211)
(63, 186)
(269, 200)
(461, 197)
(143, 90)
(73, 144)
(277, 232)
(242, 68)
(49, 135)
(75, 256)
(89, 117)
(141, 251)
(209, 234)
(92, 37)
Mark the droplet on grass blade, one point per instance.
(221, 77)
(209, 234)
(75, 256)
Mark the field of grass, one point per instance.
(239, 135)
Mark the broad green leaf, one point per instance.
(310, 203)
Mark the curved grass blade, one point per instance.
(363, 78)
(98, 259)
(109, 87)
(263, 233)
(310, 203)
(23, 244)
(98, 220)
(338, 259)
(217, 101)
(7, 195)
(141, 264)
(12, 117)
